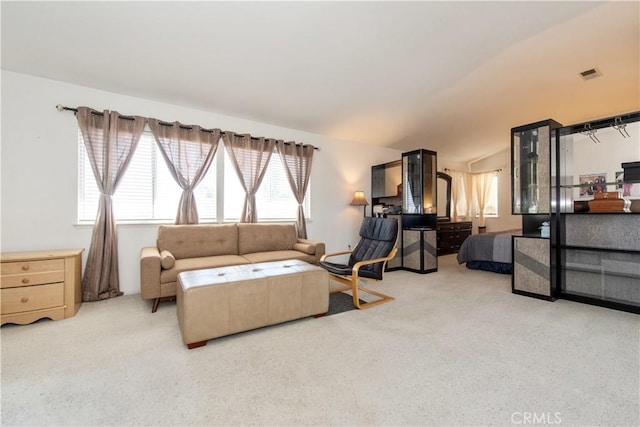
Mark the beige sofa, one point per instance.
(193, 247)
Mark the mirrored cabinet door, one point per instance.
(419, 182)
(531, 160)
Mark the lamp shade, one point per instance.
(359, 199)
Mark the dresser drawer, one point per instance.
(18, 267)
(27, 273)
(463, 226)
(454, 226)
(28, 298)
(451, 235)
(30, 279)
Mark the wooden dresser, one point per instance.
(40, 284)
(451, 235)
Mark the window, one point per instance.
(148, 192)
(491, 206)
(274, 199)
(461, 203)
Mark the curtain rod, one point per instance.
(490, 170)
(61, 107)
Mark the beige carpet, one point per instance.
(455, 348)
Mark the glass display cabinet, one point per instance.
(419, 182)
(419, 211)
(596, 243)
(531, 167)
(531, 178)
(583, 180)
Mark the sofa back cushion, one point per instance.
(192, 241)
(262, 237)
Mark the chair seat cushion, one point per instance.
(366, 271)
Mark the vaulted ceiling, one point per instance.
(453, 77)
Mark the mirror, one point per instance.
(444, 196)
(591, 158)
(419, 182)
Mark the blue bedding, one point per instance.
(496, 267)
(489, 252)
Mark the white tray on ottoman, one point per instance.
(221, 301)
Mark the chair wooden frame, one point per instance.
(352, 282)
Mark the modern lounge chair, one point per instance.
(367, 260)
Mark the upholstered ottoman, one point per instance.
(221, 301)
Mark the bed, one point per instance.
(488, 251)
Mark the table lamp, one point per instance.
(360, 200)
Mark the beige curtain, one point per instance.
(456, 193)
(297, 160)
(250, 158)
(110, 141)
(467, 182)
(188, 152)
(482, 186)
(461, 192)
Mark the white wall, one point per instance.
(39, 170)
(504, 220)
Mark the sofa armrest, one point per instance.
(150, 273)
(312, 247)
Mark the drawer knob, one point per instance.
(25, 267)
(25, 280)
(24, 299)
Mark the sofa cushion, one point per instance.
(279, 256)
(189, 264)
(193, 241)
(265, 237)
(167, 260)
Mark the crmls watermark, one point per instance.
(536, 418)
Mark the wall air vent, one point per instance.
(590, 74)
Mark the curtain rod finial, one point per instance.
(60, 107)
